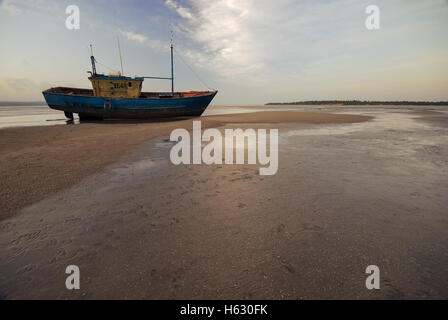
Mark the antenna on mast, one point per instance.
(92, 59)
(119, 51)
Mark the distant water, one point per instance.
(25, 116)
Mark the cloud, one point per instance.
(17, 7)
(222, 35)
(258, 40)
(10, 7)
(135, 36)
(144, 40)
(182, 11)
(262, 49)
(241, 38)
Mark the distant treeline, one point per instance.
(359, 103)
(22, 103)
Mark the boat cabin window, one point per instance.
(130, 84)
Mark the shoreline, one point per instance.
(362, 103)
(37, 162)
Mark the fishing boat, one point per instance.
(118, 96)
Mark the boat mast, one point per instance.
(92, 59)
(172, 68)
(172, 72)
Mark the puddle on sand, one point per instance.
(381, 122)
(150, 159)
(165, 143)
(134, 167)
(157, 150)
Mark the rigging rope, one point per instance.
(105, 66)
(197, 76)
(180, 56)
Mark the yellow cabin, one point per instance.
(116, 86)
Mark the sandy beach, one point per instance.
(38, 161)
(356, 187)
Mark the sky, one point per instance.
(252, 51)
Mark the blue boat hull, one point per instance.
(83, 102)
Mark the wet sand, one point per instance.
(347, 194)
(35, 162)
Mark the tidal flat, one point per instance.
(355, 186)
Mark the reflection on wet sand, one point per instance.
(345, 196)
